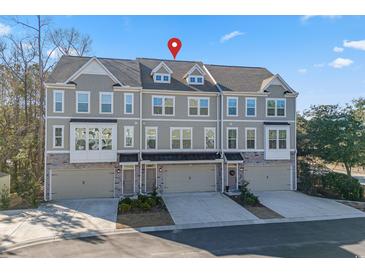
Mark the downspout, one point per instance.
(140, 141)
(295, 142)
(45, 147)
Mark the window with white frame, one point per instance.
(106, 102)
(181, 138)
(275, 107)
(250, 138)
(209, 134)
(232, 106)
(277, 139)
(232, 138)
(151, 137)
(58, 101)
(195, 80)
(161, 78)
(106, 139)
(82, 102)
(250, 107)
(80, 138)
(94, 139)
(89, 139)
(128, 136)
(58, 139)
(198, 106)
(163, 105)
(128, 103)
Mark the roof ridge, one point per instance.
(170, 60)
(237, 66)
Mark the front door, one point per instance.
(232, 176)
(128, 179)
(150, 178)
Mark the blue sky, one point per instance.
(300, 49)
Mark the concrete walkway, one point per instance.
(292, 204)
(204, 207)
(55, 219)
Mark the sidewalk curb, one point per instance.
(70, 236)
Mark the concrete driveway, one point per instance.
(292, 204)
(56, 219)
(204, 207)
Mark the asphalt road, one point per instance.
(336, 238)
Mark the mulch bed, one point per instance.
(259, 210)
(17, 202)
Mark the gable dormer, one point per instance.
(195, 76)
(161, 73)
(276, 80)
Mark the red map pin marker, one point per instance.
(174, 45)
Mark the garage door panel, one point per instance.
(189, 178)
(82, 183)
(263, 177)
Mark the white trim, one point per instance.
(125, 128)
(50, 184)
(205, 136)
(227, 106)
(88, 101)
(258, 121)
(62, 92)
(199, 110)
(181, 138)
(182, 162)
(162, 64)
(179, 150)
(174, 92)
(162, 75)
(57, 151)
(278, 77)
(277, 154)
(137, 118)
(244, 94)
(79, 71)
(45, 148)
(246, 108)
(227, 147)
(276, 107)
(125, 104)
(145, 137)
(128, 150)
(59, 86)
(255, 130)
(127, 89)
(163, 105)
(196, 83)
(195, 67)
(134, 177)
(62, 136)
(101, 93)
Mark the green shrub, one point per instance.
(145, 206)
(151, 201)
(136, 203)
(124, 208)
(126, 201)
(4, 198)
(154, 192)
(344, 186)
(142, 198)
(247, 196)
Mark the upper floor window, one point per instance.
(275, 107)
(128, 103)
(232, 106)
(82, 101)
(161, 78)
(58, 133)
(232, 138)
(128, 136)
(151, 137)
(163, 105)
(195, 80)
(181, 138)
(93, 138)
(250, 138)
(209, 134)
(106, 102)
(58, 101)
(251, 107)
(277, 139)
(198, 106)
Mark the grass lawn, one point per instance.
(259, 210)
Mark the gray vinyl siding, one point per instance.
(120, 130)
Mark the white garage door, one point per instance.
(189, 178)
(82, 183)
(268, 177)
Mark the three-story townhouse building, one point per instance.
(122, 127)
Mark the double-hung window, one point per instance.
(209, 134)
(151, 137)
(128, 136)
(82, 101)
(181, 138)
(276, 107)
(58, 133)
(232, 106)
(163, 105)
(162, 78)
(277, 139)
(58, 101)
(128, 103)
(198, 106)
(106, 102)
(232, 138)
(80, 139)
(250, 107)
(250, 138)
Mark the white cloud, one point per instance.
(302, 71)
(230, 36)
(338, 49)
(57, 53)
(4, 29)
(320, 65)
(305, 18)
(359, 44)
(340, 63)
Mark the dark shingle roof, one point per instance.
(128, 157)
(233, 156)
(185, 156)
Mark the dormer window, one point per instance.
(195, 80)
(162, 78)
